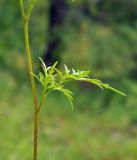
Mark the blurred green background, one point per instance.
(96, 35)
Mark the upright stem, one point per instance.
(30, 69)
(35, 135)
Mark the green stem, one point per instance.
(41, 102)
(30, 70)
(35, 135)
(22, 9)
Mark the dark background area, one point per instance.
(96, 35)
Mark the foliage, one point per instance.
(53, 79)
(48, 79)
(99, 35)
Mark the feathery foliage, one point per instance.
(53, 79)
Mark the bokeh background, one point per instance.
(96, 35)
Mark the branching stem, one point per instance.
(48, 79)
(41, 102)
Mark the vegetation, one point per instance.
(48, 79)
(100, 36)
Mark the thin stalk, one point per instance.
(41, 102)
(35, 135)
(30, 67)
(30, 70)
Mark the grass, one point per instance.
(84, 134)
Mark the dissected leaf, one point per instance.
(66, 93)
(117, 91)
(53, 68)
(53, 79)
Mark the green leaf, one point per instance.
(43, 65)
(95, 82)
(67, 93)
(53, 68)
(53, 79)
(117, 91)
(66, 69)
(59, 73)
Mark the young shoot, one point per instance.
(53, 79)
